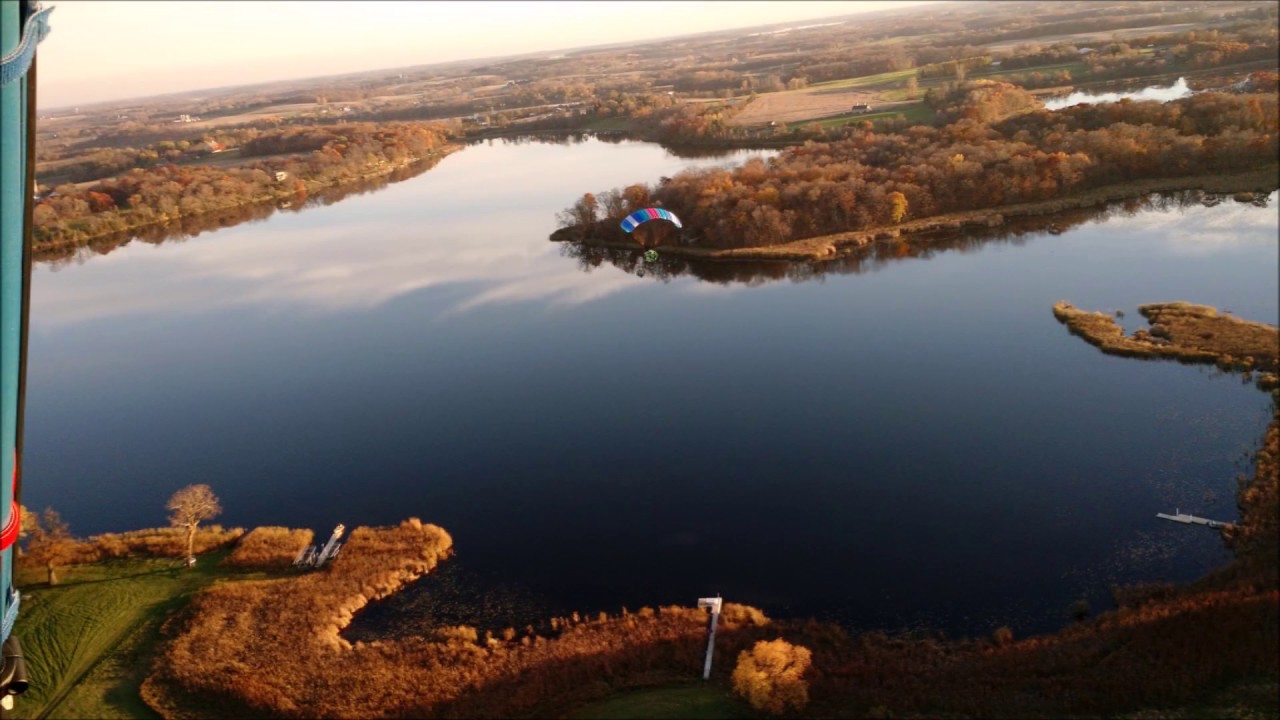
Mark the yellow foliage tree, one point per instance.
(898, 203)
(771, 676)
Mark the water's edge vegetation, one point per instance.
(1002, 153)
(273, 645)
(1221, 627)
(1248, 186)
(285, 166)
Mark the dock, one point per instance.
(1178, 516)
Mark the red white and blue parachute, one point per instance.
(632, 221)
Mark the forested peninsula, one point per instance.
(284, 164)
(1000, 152)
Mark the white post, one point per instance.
(712, 604)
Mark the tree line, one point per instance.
(316, 157)
(45, 539)
(868, 179)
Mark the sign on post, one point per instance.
(712, 604)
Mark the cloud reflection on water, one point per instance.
(482, 217)
(475, 223)
(1162, 94)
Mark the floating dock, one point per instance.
(1190, 519)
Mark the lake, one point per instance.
(1175, 91)
(886, 443)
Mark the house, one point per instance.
(861, 108)
(1086, 51)
(281, 176)
(215, 147)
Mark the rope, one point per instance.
(11, 614)
(14, 65)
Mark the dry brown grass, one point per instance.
(796, 105)
(264, 644)
(273, 648)
(1183, 331)
(163, 542)
(269, 547)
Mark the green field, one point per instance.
(88, 640)
(701, 702)
(889, 83)
(886, 78)
(918, 113)
(609, 123)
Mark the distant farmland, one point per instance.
(797, 105)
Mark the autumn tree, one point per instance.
(636, 197)
(912, 87)
(582, 216)
(897, 206)
(27, 523)
(49, 542)
(188, 507)
(771, 676)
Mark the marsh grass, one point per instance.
(1185, 332)
(269, 547)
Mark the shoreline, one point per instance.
(1263, 180)
(311, 186)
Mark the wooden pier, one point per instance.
(1190, 519)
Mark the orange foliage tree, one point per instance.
(771, 676)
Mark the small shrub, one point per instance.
(1002, 636)
(771, 676)
(163, 542)
(743, 614)
(456, 633)
(1080, 610)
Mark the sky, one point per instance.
(101, 50)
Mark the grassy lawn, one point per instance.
(916, 113)
(895, 76)
(1076, 69)
(701, 701)
(609, 123)
(88, 640)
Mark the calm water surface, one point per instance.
(1175, 91)
(917, 443)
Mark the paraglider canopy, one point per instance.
(635, 219)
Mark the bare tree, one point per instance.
(49, 542)
(188, 507)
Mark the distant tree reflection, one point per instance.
(877, 255)
(191, 226)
